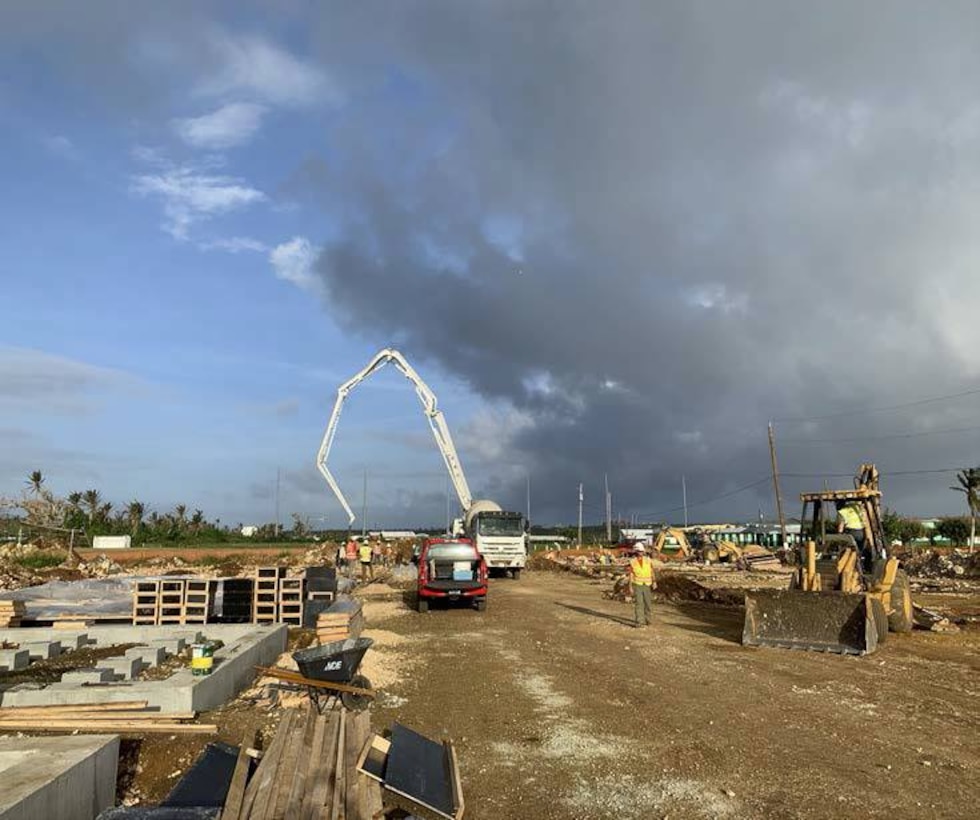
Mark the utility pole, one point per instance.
(277, 502)
(775, 484)
(608, 512)
(580, 499)
(364, 506)
(684, 491)
(529, 502)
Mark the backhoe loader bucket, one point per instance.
(819, 621)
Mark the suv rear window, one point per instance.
(451, 552)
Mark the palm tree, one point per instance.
(74, 500)
(93, 500)
(197, 521)
(969, 480)
(35, 480)
(135, 510)
(180, 516)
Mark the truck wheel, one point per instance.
(900, 619)
(423, 605)
(481, 604)
(516, 573)
(353, 701)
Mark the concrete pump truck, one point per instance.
(497, 534)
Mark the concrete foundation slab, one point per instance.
(245, 647)
(69, 778)
(12, 660)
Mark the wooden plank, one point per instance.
(88, 707)
(324, 778)
(290, 757)
(239, 778)
(118, 717)
(265, 776)
(314, 768)
(294, 803)
(340, 781)
(359, 731)
(454, 780)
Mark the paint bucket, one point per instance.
(202, 658)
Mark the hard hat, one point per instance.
(640, 548)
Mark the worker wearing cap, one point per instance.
(851, 522)
(365, 553)
(641, 578)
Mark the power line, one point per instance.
(653, 516)
(887, 409)
(878, 438)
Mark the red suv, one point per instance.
(451, 569)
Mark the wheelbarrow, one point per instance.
(330, 670)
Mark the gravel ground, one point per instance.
(559, 709)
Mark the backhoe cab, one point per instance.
(841, 598)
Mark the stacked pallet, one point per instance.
(265, 595)
(171, 609)
(123, 717)
(290, 601)
(198, 596)
(309, 770)
(11, 613)
(146, 603)
(343, 620)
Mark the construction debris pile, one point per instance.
(952, 564)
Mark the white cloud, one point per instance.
(716, 296)
(231, 125)
(252, 65)
(62, 146)
(190, 196)
(293, 262)
(235, 244)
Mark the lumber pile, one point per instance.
(11, 613)
(120, 718)
(343, 620)
(308, 771)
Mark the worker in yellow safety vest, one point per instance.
(365, 553)
(851, 521)
(641, 578)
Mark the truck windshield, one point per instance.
(451, 552)
(500, 526)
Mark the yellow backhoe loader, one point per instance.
(842, 598)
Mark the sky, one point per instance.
(615, 239)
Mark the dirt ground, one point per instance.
(560, 709)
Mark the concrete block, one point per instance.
(74, 642)
(13, 659)
(69, 778)
(172, 646)
(127, 668)
(42, 650)
(82, 676)
(150, 655)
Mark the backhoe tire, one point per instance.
(516, 573)
(900, 619)
(423, 605)
(880, 617)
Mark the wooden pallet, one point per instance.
(198, 593)
(172, 601)
(146, 602)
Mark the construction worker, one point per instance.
(351, 552)
(850, 521)
(366, 552)
(641, 579)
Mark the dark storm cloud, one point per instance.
(651, 227)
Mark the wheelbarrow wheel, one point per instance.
(354, 702)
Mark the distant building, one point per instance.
(250, 531)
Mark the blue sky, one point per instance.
(161, 323)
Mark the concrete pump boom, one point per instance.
(444, 441)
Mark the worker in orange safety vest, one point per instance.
(641, 578)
